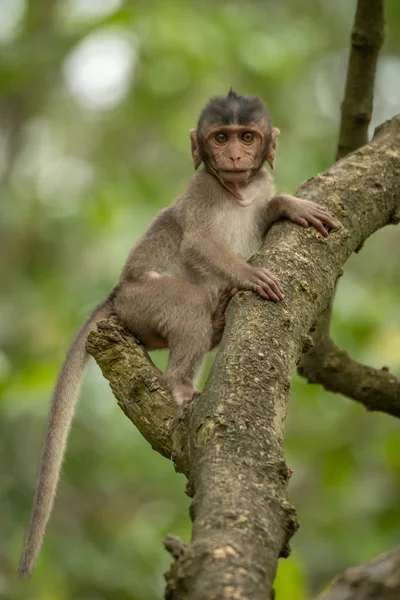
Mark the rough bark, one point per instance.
(375, 580)
(366, 40)
(229, 443)
(377, 390)
(135, 382)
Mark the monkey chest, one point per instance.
(239, 229)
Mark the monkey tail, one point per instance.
(65, 396)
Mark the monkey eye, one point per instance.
(221, 138)
(247, 137)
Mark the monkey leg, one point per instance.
(165, 312)
(218, 318)
(189, 334)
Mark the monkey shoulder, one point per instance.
(202, 197)
(156, 248)
(165, 225)
(205, 188)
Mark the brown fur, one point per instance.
(180, 276)
(62, 411)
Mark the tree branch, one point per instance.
(229, 443)
(135, 382)
(375, 389)
(366, 40)
(375, 580)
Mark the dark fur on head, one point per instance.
(233, 108)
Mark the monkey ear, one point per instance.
(195, 148)
(271, 152)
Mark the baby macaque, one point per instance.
(180, 276)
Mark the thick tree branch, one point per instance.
(135, 382)
(366, 40)
(375, 580)
(229, 443)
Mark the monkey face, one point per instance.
(234, 152)
(234, 137)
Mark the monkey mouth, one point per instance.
(234, 174)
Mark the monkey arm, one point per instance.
(207, 256)
(300, 211)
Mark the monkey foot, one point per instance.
(184, 394)
(195, 394)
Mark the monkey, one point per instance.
(181, 274)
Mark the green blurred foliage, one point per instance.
(97, 97)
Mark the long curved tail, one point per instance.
(65, 396)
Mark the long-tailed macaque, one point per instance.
(179, 277)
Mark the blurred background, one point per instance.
(96, 101)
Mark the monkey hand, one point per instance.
(263, 282)
(306, 212)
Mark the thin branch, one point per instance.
(375, 389)
(378, 579)
(366, 40)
